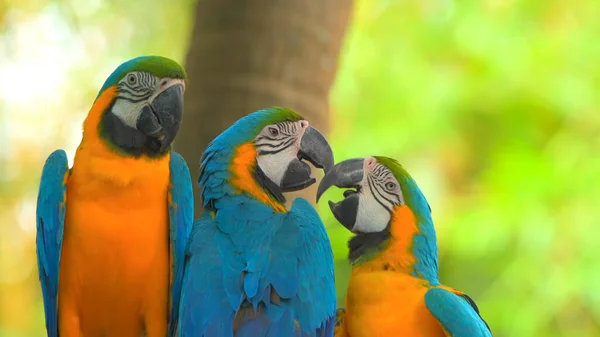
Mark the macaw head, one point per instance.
(381, 198)
(284, 141)
(271, 148)
(141, 106)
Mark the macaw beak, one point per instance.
(315, 149)
(347, 174)
(160, 120)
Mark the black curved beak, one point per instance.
(347, 174)
(315, 149)
(160, 120)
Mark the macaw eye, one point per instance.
(273, 132)
(131, 79)
(390, 186)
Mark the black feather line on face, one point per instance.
(268, 185)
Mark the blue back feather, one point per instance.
(424, 246)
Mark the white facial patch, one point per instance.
(274, 165)
(380, 192)
(277, 145)
(127, 111)
(371, 216)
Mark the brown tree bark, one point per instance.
(246, 55)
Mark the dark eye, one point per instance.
(273, 132)
(390, 186)
(131, 79)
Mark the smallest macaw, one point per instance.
(394, 257)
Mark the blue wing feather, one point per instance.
(258, 326)
(181, 216)
(206, 310)
(315, 302)
(50, 220)
(301, 273)
(455, 314)
(246, 252)
(327, 328)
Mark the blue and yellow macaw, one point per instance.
(255, 268)
(394, 288)
(112, 230)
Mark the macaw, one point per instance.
(255, 268)
(112, 230)
(394, 288)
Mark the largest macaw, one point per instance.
(112, 230)
(254, 267)
(394, 288)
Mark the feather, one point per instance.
(455, 314)
(181, 217)
(50, 218)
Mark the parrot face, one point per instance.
(147, 111)
(281, 148)
(151, 105)
(368, 208)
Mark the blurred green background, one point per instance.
(491, 105)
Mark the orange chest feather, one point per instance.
(115, 262)
(116, 237)
(383, 298)
(130, 226)
(118, 215)
(383, 303)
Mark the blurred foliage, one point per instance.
(491, 105)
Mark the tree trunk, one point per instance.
(246, 55)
